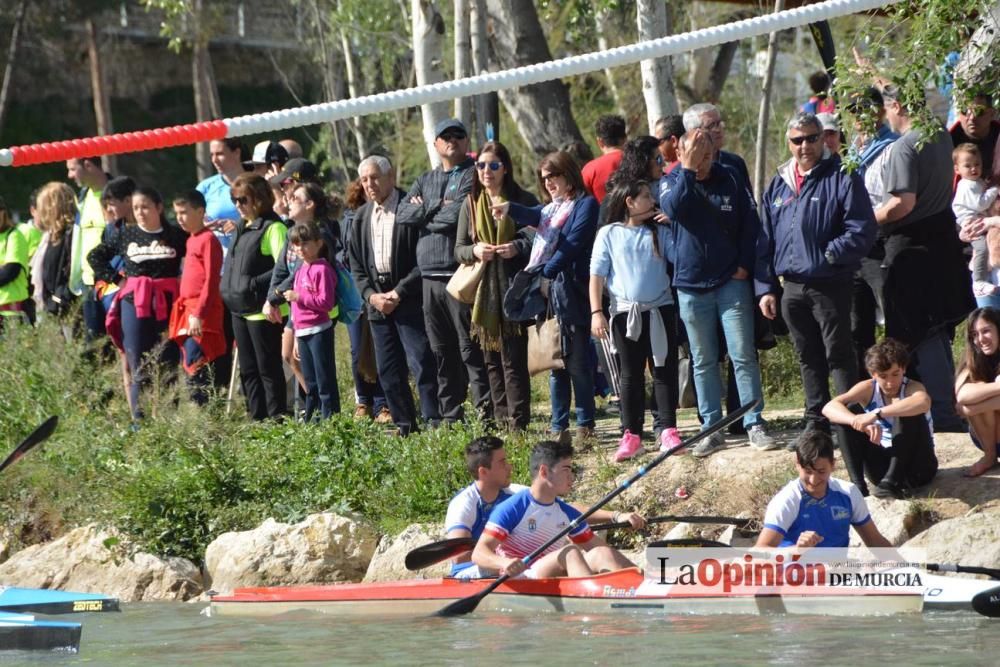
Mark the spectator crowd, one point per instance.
(601, 273)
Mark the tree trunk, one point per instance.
(357, 129)
(206, 93)
(977, 69)
(710, 66)
(463, 57)
(601, 19)
(760, 157)
(8, 72)
(487, 104)
(428, 32)
(102, 104)
(657, 74)
(541, 111)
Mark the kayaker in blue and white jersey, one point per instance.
(531, 517)
(815, 509)
(469, 510)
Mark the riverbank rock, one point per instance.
(897, 520)
(973, 539)
(90, 559)
(388, 563)
(322, 548)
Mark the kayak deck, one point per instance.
(613, 592)
(43, 601)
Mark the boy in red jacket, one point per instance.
(196, 319)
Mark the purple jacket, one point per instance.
(316, 286)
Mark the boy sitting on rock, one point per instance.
(884, 426)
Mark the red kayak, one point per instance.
(623, 591)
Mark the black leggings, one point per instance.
(634, 355)
(910, 461)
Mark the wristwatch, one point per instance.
(878, 413)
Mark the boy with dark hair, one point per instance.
(533, 516)
(820, 102)
(196, 320)
(611, 137)
(884, 425)
(669, 131)
(486, 461)
(815, 509)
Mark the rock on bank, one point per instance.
(90, 559)
(323, 548)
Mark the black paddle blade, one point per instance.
(37, 436)
(987, 603)
(435, 552)
(463, 606)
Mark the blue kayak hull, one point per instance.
(42, 601)
(21, 632)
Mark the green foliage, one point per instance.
(188, 475)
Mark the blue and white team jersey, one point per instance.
(523, 524)
(793, 511)
(889, 424)
(468, 511)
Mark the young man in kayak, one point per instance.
(815, 509)
(468, 511)
(532, 516)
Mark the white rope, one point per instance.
(531, 74)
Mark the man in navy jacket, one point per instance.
(816, 226)
(714, 240)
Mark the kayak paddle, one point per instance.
(436, 552)
(987, 603)
(469, 604)
(37, 436)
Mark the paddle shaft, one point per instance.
(468, 604)
(666, 518)
(965, 569)
(37, 436)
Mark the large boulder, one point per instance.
(973, 539)
(897, 520)
(388, 563)
(93, 560)
(322, 548)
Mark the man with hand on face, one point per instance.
(382, 252)
(714, 230)
(977, 125)
(816, 225)
(442, 192)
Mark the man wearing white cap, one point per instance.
(268, 158)
(831, 131)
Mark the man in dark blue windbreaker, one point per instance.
(714, 240)
(816, 225)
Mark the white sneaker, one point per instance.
(709, 445)
(760, 440)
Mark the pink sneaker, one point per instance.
(670, 438)
(628, 447)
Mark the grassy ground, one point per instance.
(189, 474)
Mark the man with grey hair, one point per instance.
(816, 226)
(707, 117)
(383, 251)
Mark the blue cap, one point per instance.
(449, 124)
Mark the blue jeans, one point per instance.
(733, 305)
(319, 369)
(366, 393)
(580, 372)
(145, 347)
(991, 301)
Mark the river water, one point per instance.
(178, 634)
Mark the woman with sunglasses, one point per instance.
(565, 228)
(246, 278)
(150, 254)
(504, 249)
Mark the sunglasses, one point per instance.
(549, 177)
(977, 110)
(494, 166)
(808, 138)
(451, 136)
(241, 201)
